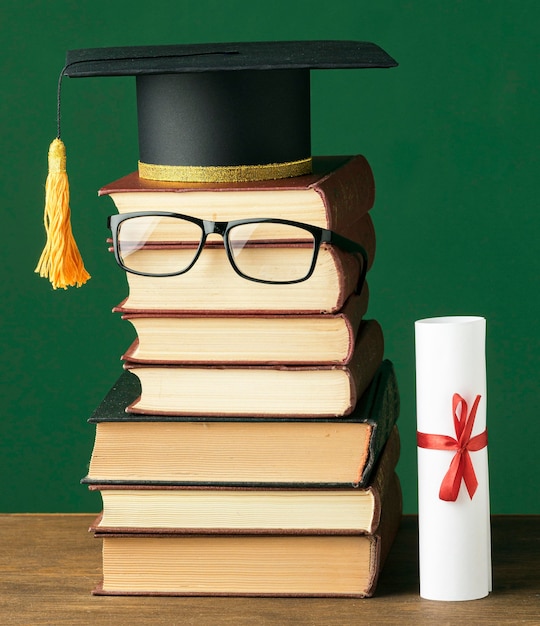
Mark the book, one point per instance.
(213, 285)
(165, 450)
(174, 337)
(181, 236)
(340, 191)
(241, 510)
(262, 390)
(257, 564)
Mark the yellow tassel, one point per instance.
(60, 260)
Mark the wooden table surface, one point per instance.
(50, 563)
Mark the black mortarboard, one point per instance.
(223, 112)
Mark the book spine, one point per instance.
(384, 411)
(366, 360)
(348, 194)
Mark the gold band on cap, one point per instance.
(224, 174)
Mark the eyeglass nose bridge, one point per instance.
(214, 228)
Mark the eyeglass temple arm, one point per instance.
(348, 245)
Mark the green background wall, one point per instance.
(452, 136)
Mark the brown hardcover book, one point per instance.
(340, 190)
(262, 391)
(244, 565)
(248, 510)
(213, 285)
(183, 338)
(134, 449)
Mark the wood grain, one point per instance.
(50, 563)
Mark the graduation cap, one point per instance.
(228, 112)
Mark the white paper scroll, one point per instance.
(454, 536)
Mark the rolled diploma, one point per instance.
(454, 537)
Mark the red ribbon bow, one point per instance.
(461, 467)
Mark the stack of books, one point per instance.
(250, 445)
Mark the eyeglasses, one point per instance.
(252, 245)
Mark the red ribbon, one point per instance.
(461, 467)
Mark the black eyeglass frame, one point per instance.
(209, 227)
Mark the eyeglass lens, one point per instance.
(158, 244)
(258, 251)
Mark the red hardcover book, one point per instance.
(340, 191)
(177, 337)
(264, 390)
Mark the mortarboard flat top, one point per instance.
(266, 55)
